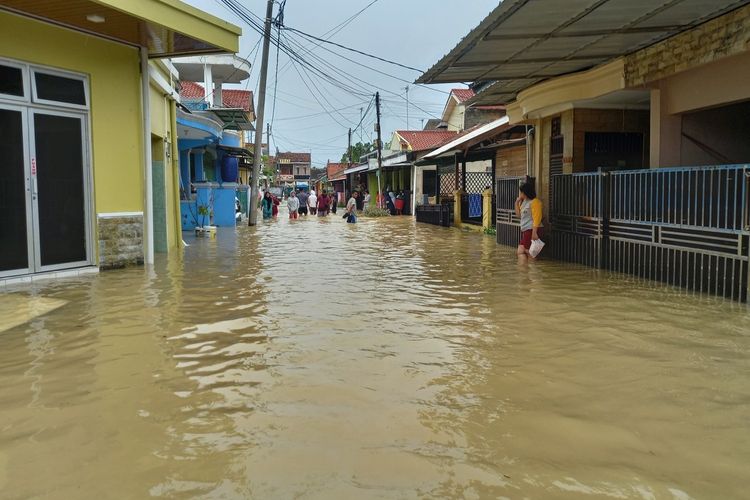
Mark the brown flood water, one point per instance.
(379, 360)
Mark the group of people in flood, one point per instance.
(301, 204)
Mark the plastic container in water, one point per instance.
(229, 169)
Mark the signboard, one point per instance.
(286, 177)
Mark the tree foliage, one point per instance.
(358, 150)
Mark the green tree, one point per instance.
(358, 150)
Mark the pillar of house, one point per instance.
(185, 170)
(218, 99)
(208, 82)
(666, 133)
(457, 194)
(198, 162)
(487, 209)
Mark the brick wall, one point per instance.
(120, 241)
(721, 37)
(607, 120)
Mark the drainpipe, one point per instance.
(148, 213)
(529, 151)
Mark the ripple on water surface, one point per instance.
(386, 359)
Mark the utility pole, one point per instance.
(380, 144)
(252, 220)
(268, 145)
(349, 148)
(361, 111)
(407, 107)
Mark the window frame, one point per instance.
(33, 70)
(26, 97)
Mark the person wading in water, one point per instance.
(351, 209)
(529, 209)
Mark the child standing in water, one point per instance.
(529, 209)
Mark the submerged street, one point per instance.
(384, 359)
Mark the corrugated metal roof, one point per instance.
(523, 42)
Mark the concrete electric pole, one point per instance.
(258, 152)
(380, 143)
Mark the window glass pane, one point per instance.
(59, 88)
(61, 202)
(11, 80)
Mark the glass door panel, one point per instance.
(60, 188)
(14, 193)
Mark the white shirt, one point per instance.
(292, 203)
(312, 200)
(351, 205)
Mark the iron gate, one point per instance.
(688, 227)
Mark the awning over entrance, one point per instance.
(463, 141)
(523, 42)
(233, 151)
(354, 170)
(165, 27)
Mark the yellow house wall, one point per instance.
(115, 119)
(163, 129)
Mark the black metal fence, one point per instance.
(688, 227)
(439, 215)
(507, 223)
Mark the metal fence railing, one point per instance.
(439, 215)
(507, 224)
(688, 227)
(577, 218)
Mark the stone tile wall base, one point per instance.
(120, 241)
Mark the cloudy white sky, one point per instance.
(413, 32)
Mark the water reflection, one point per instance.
(385, 359)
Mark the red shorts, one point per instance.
(526, 237)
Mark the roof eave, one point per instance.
(503, 10)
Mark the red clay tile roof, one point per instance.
(334, 169)
(420, 140)
(463, 94)
(294, 157)
(231, 98)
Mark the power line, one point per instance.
(353, 50)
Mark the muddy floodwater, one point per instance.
(386, 359)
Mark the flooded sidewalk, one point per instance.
(384, 359)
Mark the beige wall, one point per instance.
(709, 86)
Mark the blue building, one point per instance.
(211, 130)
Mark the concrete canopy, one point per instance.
(227, 68)
(523, 42)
